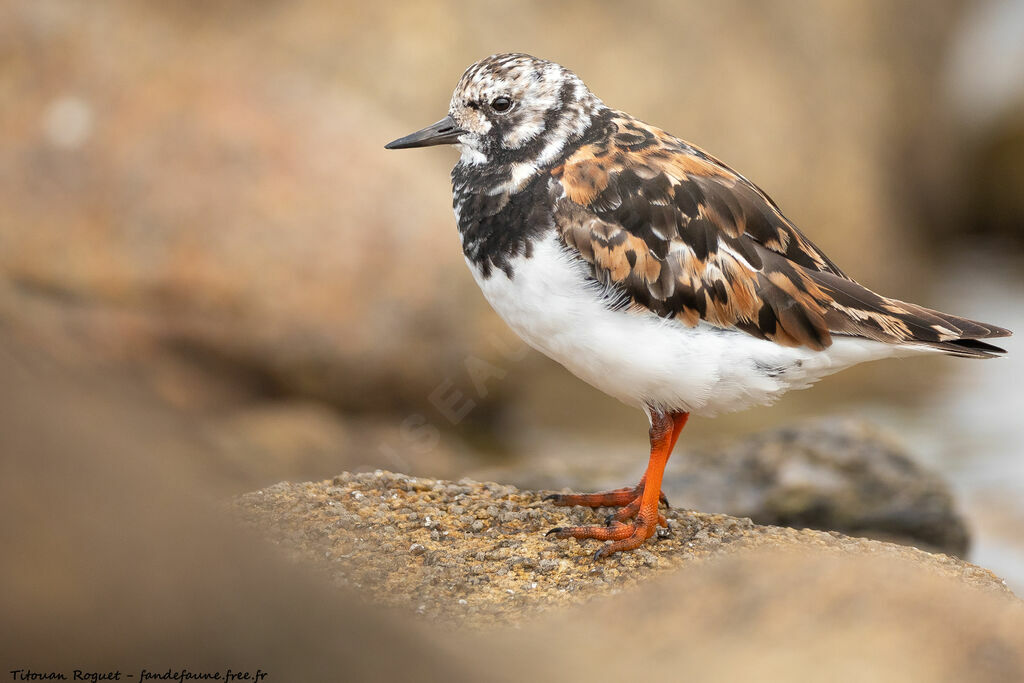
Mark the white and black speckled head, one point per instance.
(514, 107)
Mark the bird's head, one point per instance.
(511, 108)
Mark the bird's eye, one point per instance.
(501, 104)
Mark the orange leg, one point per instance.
(664, 433)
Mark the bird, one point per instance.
(650, 269)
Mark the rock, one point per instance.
(770, 615)
(484, 543)
(720, 598)
(118, 554)
(239, 234)
(834, 474)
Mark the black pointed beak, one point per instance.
(444, 132)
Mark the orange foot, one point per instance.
(624, 536)
(640, 502)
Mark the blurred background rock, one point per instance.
(195, 194)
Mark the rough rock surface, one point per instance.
(475, 552)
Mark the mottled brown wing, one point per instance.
(686, 237)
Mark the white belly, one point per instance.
(644, 360)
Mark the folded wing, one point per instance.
(686, 237)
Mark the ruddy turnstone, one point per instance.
(650, 269)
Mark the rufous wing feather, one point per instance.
(686, 237)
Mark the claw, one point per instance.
(664, 499)
(556, 530)
(552, 496)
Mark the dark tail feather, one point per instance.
(858, 311)
(967, 343)
(970, 348)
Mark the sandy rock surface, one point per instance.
(470, 552)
